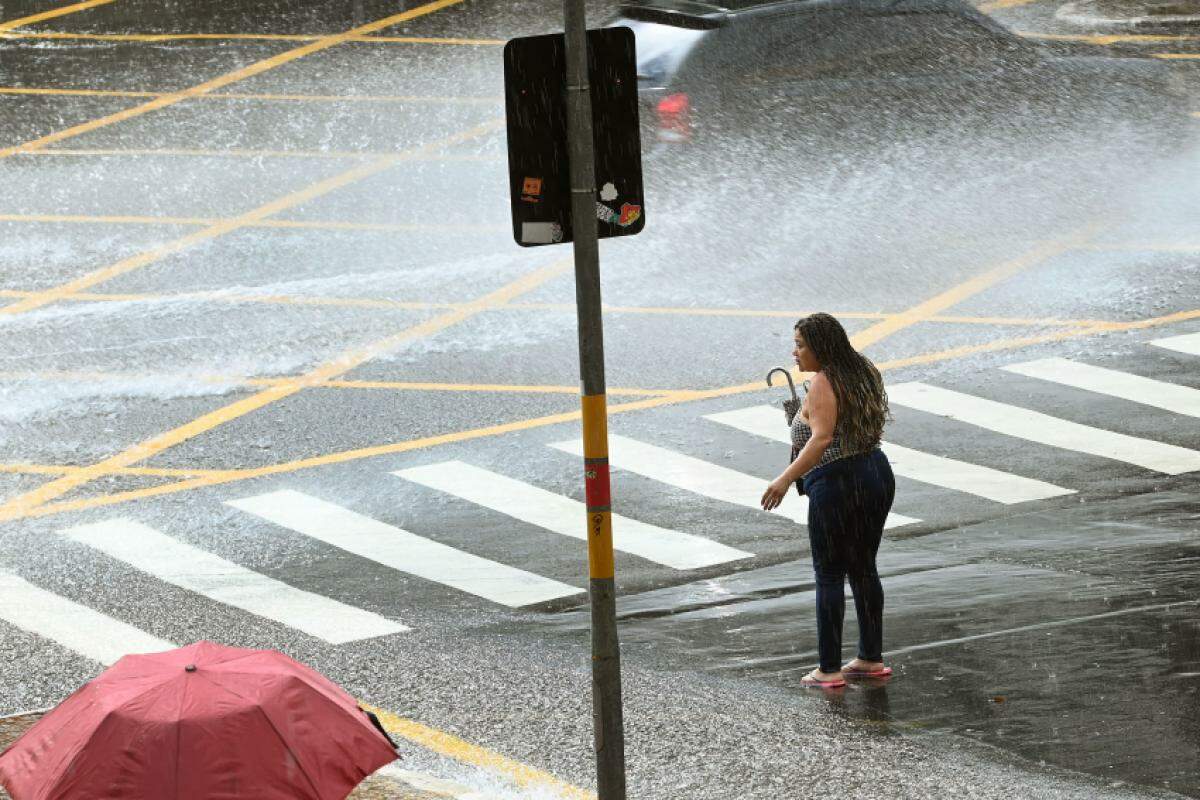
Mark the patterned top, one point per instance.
(802, 432)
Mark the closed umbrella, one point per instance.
(203, 722)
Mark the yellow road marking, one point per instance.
(200, 153)
(996, 5)
(1147, 247)
(51, 14)
(220, 295)
(497, 388)
(231, 77)
(750, 312)
(59, 469)
(32, 90)
(268, 37)
(223, 227)
(106, 220)
(303, 98)
(263, 223)
(671, 398)
(446, 744)
(968, 288)
(36, 469)
(1191, 56)
(1107, 38)
(77, 376)
(340, 365)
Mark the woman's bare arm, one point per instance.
(821, 403)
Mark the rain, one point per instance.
(261, 268)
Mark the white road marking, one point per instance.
(961, 476)
(187, 567)
(704, 478)
(1188, 343)
(1147, 391)
(1045, 429)
(403, 551)
(568, 517)
(74, 626)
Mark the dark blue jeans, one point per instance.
(848, 501)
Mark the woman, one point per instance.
(850, 488)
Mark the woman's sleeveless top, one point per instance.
(801, 433)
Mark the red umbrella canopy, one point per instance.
(204, 722)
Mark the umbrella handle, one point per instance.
(787, 373)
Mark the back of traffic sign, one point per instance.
(538, 167)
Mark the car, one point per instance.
(887, 68)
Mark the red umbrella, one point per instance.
(204, 721)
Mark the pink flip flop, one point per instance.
(862, 673)
(812, 683)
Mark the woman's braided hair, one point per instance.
(861, 399)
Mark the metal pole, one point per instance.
(609, 729)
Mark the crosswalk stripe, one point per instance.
(1188, 343)
(1044, 429)
(74, 626)
(569, 517)
(961, 476)
(403, 551)
(703, 477)
(1135, 388)
(170, 560)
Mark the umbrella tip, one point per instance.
(190, 668)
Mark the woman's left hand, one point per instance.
(773, 496)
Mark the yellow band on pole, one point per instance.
(598, 489)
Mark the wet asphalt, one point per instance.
(300, 216)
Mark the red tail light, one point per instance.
(675, 118)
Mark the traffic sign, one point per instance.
(538, 166)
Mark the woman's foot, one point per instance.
(861, 668)
(824, 680)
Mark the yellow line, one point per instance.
(996, 5)
(1107, 38)
(57, 12)
(59, 469)
(268, 37)
(671, 398)
(1182, 56)
(132, 153)
(106, 220)
(308, 98)
(968, 288)
(497, 388)
(446, 744)
(688, 311)
(386, 227)
(1146, 247)
(167, 37)
(31, 90)
(432, 40)
(222, 296)
(21, 505)
(228, 78)
(36, 469)
(82, 376)
(200, 153)
(222, 227)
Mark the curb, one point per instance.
(1079, 13)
